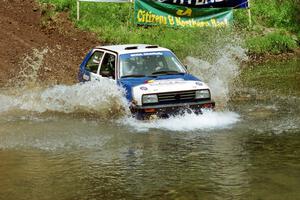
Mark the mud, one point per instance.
(25, 27)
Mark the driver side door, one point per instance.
(108, 66)
(92, 65)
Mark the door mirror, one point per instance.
(106, 73)
(94, 70)
(186, 67)
(96, 61)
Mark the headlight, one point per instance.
(202, 94)
(150, 98)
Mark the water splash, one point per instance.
(189, 122)
(105, 99)
(219, 74)
(31, 65)
(101, 98)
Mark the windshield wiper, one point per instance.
(133, 75)
(169, 72)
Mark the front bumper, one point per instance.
(167, 110)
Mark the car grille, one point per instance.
(180, 96)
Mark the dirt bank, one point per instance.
(47, 49)
(264, 58)
(34, 43)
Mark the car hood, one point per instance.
(129, 83)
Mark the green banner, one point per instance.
(150, 12)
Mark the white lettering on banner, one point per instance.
(197, 2)
(183, 1)
(108, 1)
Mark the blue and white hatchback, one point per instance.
(157, 84)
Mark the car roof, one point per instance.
(132, 48)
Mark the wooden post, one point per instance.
(249, 14)
(78, 10)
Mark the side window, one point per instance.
(94, 61)
(108, 65)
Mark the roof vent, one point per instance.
(151, 46)
(130, 48)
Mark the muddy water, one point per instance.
(56, 144)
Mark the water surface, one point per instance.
(53, 145)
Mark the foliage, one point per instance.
(274, 42)
(61, 5)
(272, 13)
(114, 24)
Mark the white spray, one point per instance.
(106, 99)
(219, 74)
(101, 98)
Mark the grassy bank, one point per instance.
(275, 28)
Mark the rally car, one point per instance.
(156, 83)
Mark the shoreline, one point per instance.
(268, 57)
(48, 40)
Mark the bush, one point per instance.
(276, 13)
(61, 5)
(275, 42)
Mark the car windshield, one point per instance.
(149, 64)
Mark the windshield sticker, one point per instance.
(153, 54)
(147, 54)
(141, 54)
(136, 54)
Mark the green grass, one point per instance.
(114, 25)
(276, 26)
(272, 14)
(274, 75)
(274, 42)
